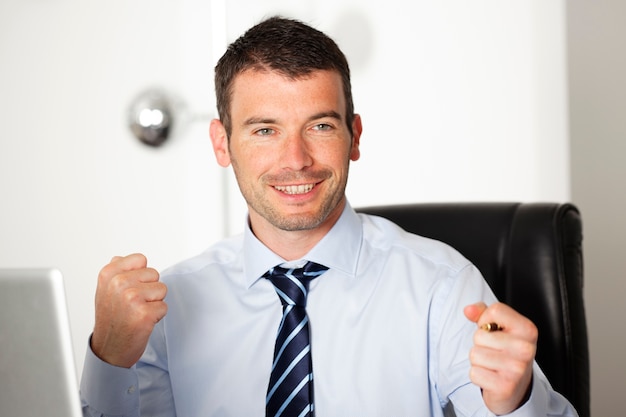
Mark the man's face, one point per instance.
(290, 148)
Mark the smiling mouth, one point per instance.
(294, 189)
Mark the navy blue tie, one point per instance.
(290, 390)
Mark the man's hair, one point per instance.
(286, 46)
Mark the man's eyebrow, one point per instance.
(258, 120)
(331, 114)
(266, 120)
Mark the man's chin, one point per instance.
(299, 222)
(294, 218)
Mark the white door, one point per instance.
(76, 187)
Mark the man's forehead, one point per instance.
(259, 87)
(264, 73)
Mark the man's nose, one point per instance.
(296, 153)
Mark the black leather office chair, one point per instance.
(531, 255)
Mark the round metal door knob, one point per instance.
(151, 117)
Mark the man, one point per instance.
(388, 323)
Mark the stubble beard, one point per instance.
(258, 201)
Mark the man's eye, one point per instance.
(266, 131)
(322, 127)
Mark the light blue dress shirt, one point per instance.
(388, 333)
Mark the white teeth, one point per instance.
(295, 189)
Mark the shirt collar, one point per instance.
(339, 249)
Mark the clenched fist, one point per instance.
(129, 303)
(502, 360)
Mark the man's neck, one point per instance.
(292, 244)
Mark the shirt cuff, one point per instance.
(109, 389)
(543, 400)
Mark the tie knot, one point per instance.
(292, 284)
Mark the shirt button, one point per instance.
(131, 389)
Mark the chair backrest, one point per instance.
(531, 256)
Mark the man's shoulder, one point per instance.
(219, 255)
(383, 235)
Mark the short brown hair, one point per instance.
(287, 46)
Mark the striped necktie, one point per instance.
(290, 390)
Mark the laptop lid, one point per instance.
(37, 370)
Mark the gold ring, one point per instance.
(491, 327)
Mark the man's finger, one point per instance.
(474, 311)
(508, 320)
(154, 291)
(145, 275)
(130, 262)
(121, 264)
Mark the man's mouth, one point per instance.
(295, 189)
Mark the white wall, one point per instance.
(76, 187)
(597, 85)
(460, 101)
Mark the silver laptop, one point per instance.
(37, 370)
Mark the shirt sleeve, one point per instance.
(544, 401)
(107, 390)
(142, 390)
(453, 335)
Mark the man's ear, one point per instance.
(219, 139)
(357, 129)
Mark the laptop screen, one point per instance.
(37, 370)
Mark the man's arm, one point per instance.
(107, 390)
(503, 364)
(129, 303)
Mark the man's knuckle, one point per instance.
(131, 295)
